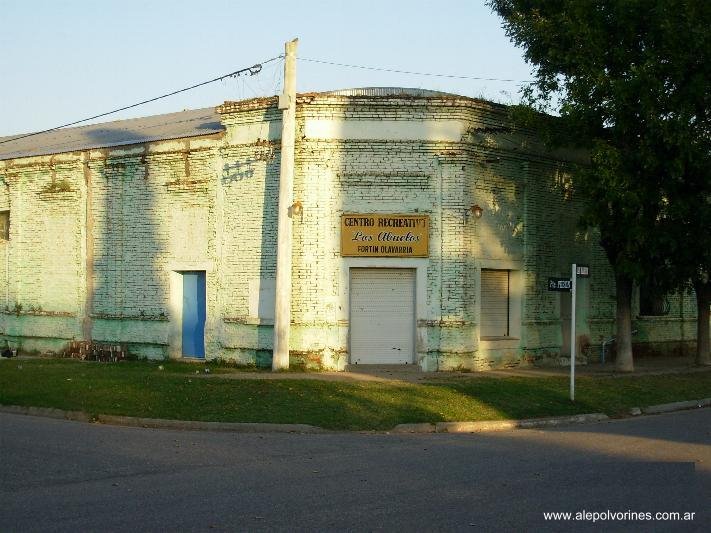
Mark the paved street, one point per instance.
(65, 476)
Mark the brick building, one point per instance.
(426, 233)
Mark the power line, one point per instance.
(252, 71)
(383, 69)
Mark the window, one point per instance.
(495, 303)
(652, 301)
(5, 225)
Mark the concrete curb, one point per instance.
(159, 423)
(255, 427)
(424, 427)
(676, 406)
(498, 425)
(195, 425)
(483, 426)
(46, 412)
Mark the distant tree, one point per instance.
(630, 81)
(688, 223)
(702, 286)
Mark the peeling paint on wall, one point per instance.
(99, 256)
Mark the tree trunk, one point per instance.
(624, 361)
(703, 300)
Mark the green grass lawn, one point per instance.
(142, 389)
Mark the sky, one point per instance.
(65, 60)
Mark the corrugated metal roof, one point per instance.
(190, 123)
(388, 91)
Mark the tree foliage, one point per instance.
(630, 81)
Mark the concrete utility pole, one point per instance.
(282, 305)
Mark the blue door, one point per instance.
(194, 314)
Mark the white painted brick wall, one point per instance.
(210, 204)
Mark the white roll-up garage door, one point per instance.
(382, 316)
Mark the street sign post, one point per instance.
(583, 271)
(573, 342)
(570, 285)
(559, 284)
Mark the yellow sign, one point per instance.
(377, 235)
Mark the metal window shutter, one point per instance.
(494, 303)
(382, 316)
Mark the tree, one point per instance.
(629, 79)
(690, 261)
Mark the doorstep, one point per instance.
(384, 370)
